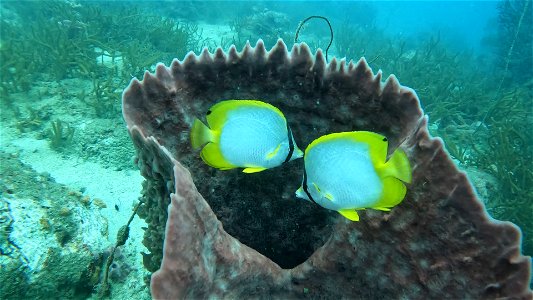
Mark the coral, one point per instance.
(41, 259)
(263, 23)
(91, 275)
(34, 121)
(99, 203)
(513, 45)
(14, 272)
(119, 269)
(508, 155)
(357, 40)
(59, 39)
(302, 23)
(235, 235)
(60, 134)
(12, 259)
(104, 98)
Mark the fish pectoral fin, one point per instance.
(349, 214)
(328, 196)
(253, 170)
(274, 152)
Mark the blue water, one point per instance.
(463, 24)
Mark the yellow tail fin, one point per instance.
(200, 134)
(398, 166)
(393, 193)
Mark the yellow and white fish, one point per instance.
(348, 171)
(247, 134)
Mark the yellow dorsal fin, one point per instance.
(253, 170)
(327, 138)
(377, 143)
(200, 134)
(217, 114)
(397, 166)
(349, 214)
(393, 193)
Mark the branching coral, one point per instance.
(105, 97)
(354, 41)
(63, 40)
(509, 156)
(60, 134)
(265, 24)
(515, 45)
(34, 121)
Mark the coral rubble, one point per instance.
(43, 236)
(439, 242)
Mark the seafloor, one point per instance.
(61, 208)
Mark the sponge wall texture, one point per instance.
(208, 240)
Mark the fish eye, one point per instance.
(208, 112)
(384, 139)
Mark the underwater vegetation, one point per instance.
(352, 40)
(479, 123)
(85, 54)
(508, 156)
(267, 24)
(64, 59)
(107, 44)
(60, 134)
(513, 44)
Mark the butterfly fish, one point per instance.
(348, 171)
(248, 134)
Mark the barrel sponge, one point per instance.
(439, 243)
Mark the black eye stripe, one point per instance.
(304, 186)
(291, 144)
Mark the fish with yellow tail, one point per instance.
(248, 134)
(348, 171)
